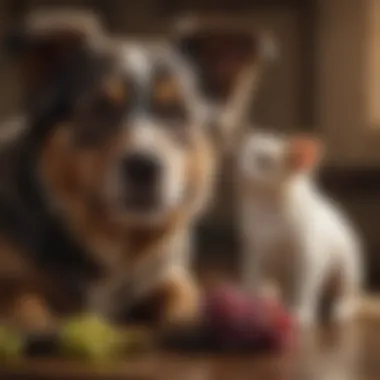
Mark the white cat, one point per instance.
(291, 232)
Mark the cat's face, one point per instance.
(267, 160)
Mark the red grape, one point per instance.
(238, 321)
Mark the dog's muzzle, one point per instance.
(141, 177)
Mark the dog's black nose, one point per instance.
(141, 169)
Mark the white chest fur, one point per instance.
(136, 281)
(270, 243)
(267, 222)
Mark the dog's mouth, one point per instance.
(142, 201)
(127, 207)
(141, 186)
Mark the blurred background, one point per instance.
(326, 81)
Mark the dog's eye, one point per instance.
(166, 91)
(104, 111)
(168, 101)
(115, 90)
(99, 120)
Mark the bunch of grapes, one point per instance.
(11, 343)
(84, 336)
(234, 321)
(89, 337)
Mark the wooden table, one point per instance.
(349, 354)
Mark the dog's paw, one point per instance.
(181, 300)
(31, 314)
(182, 311)
(182, 315)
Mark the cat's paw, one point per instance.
(305, 317)
(344, 311)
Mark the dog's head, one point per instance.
(122, 125)
(267, 161)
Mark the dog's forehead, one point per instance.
(135, 60)
(144, 60)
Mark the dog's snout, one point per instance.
(141, 169)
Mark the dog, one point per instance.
(292, 233)
(100, 191)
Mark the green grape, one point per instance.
(90, 337)
(10, 344)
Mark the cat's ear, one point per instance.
(304, 153)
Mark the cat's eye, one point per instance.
(264, 161)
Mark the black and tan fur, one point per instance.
(66, 215)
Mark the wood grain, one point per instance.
(350, 353)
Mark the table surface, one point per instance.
(351, 353)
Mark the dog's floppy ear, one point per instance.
(222, 53)
(219, 56)
(305, 153)
(228, 61)
(47, 41)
